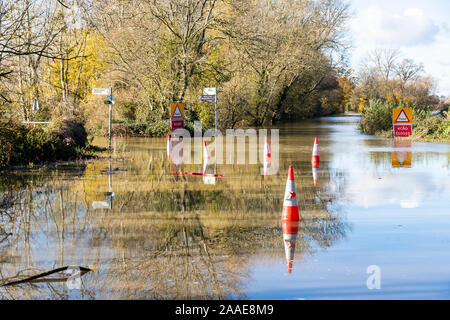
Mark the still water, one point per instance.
(150, 234)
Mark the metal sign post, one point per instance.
(110, 101)
(210, 95)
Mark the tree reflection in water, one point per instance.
(166, 237)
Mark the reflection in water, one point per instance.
(402, 155)
(108, 203)
(267, 157)
(315, 162)
(290, 230)
(166, 237)
(175, 150)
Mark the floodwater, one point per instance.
(375, 226)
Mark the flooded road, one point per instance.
(149, 234)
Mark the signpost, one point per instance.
(207, 98)
(210, 95)
(176, 124)
(102, 91)
(176, 116)
(402, 122)
(177, 110)
(108, 93)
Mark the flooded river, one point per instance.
(375, 226)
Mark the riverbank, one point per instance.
(428, 127)
(62, 140)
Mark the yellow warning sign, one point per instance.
(402, 115)
(177, 110)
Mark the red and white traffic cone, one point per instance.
(315, 172)
(290, 231)
(267, 157)
(290, 205)
(315, 160)
(169, 146)
(206, 157)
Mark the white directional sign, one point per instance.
(102, 91)
(207, 98)
(210, 91)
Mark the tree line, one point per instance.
(271, 60)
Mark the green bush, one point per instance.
(62, 140)
(376, 118)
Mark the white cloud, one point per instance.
(409, 28)
(421, 34)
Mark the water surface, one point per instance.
(150, 234)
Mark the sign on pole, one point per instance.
(402, 121)
(176, 124)
(177, 110)
(207, 98)
(210, 91)
(102, 91)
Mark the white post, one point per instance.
(215, 138)
(110, 120)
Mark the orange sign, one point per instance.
(177, 110)
(402, 155)
(402, 115)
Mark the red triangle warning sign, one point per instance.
(402, 117)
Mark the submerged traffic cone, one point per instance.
(290, 230)
(206, 157)
(267, 157)
(169, 146)
(315, 175)
(290, 205)
(315, 160)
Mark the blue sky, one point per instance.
(419, 29)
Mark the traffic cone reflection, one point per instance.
(267, 157)
(176, 151)
(315, 172)
(206, 157)
(290, 231)
(169, 146)
(315, 160)
(290, 205)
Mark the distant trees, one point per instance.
(386, 76)
(34, 37)
(272, 60)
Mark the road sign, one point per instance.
(402, 130)
(177, 110)
(402, 119)
(110, 97)
(176, 124)
(35, 104)
(109, 102)
(207, 98)
(102, 91)
(402, 115)
(210, 91)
